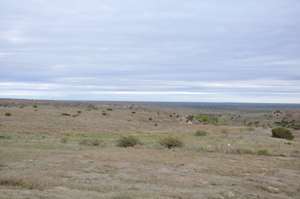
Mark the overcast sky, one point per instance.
(151, 50)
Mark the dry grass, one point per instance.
(47, 156)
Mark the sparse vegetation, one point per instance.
(263, 152)
(189, 118)
(283, 133)
(66, 114)
(35, 106)
(207, 119)
(90, 142)
(19, 182)
(128, 141)
(5, 137)
(67, 156)
(64, 140)
(171, 142)
(201, 133)
(243, 151)
(8, 114)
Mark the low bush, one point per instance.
(66, 114)
(8, 114)
(18, 182)
(201, 133)
(90, 142)
(283, 133)
(207, 119)
(128, 141)
(263, 152)
(171, 142)
(6, 137)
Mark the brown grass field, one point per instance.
(62, 150)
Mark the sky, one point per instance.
(151, 50)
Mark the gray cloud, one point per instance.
(137, 50)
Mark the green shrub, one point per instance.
(5, 137)
(281, 132)
(128, 141)
(8, 114)
(207, 119)
(263, 152)
(171, 142)
(201, 133)
(90, 142)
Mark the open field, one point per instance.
(70, 150)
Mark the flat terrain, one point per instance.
(61, 150)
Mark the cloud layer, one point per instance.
(170, 50)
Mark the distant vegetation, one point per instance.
(66, 114)
(207, 119)
(171, 142)
(90, 142)
(288, 124)
(281, 132)
(128, 141)
(8, 114)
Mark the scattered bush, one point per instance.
(104, 113)
(109, 109)
(78, 112)
(5, 137)
(128, 141)
(281, 132)
(207, 119)
(35, 106)
(171, 142)
(8, 114)
(150, 118)
(201, 133)
(90, 142)
(18, 182)
(189, 118)
(66, 114)
(263, 152)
